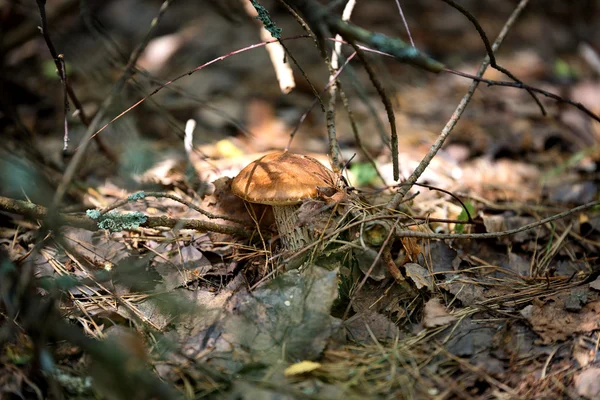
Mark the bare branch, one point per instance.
(397, 199)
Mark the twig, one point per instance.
(37, 212)
(90, 132)
(68, 92)
(357, 138)
(320, 20)
(426, 235)
(334, 146)
(388, 108)
(412, 43)
(397, 199)
(496, 235)
(449, 193)
(314, 103)
(198, 68)
(520, 85)
(490, 52)
(60, 66)
(491, 82)
(158, 195)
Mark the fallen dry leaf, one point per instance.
(436, 314)
(587, 383)
(367, 324)
(419, 275)
(553, 323)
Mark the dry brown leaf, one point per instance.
(468, 293)
(412, 248)
(419, 275)
(367, 324)
(436, 314)
(587, 383)
(553, 323)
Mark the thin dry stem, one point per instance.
(73, 166)
(397, 199)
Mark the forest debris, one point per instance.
(287, 318)
(368, 326)
(365, 259)
(436, 314)
(587, 383)
(552, 322)
(470, 338)
(438, 256)
(576, 299)
(467, 293)
(419, 275)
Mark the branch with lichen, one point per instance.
(412, 179)
(142, 195)
(115, 220)
(321, 21)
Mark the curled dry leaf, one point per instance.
(419, 275)
(412, 248)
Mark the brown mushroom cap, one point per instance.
(281, 179)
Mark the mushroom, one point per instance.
(283, 180)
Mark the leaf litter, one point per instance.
(506, 318)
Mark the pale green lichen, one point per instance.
(93, 214)
(265, 18)
(136, 196)
(115, 221)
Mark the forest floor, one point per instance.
(148, 278)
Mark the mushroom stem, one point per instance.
(292, 236)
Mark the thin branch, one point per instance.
(412, 43)
(37, 212)
(357, 138)
(490, 82)
(321, 20)
(73, 166)
(490, 51)
(198, 68)
(388, 108)
(178, 199)
(334, 146)
(397, 199)
(520, 85)
(496, 235)
(314, 103)
(427, 235)
(68, 92)
(449, 193)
